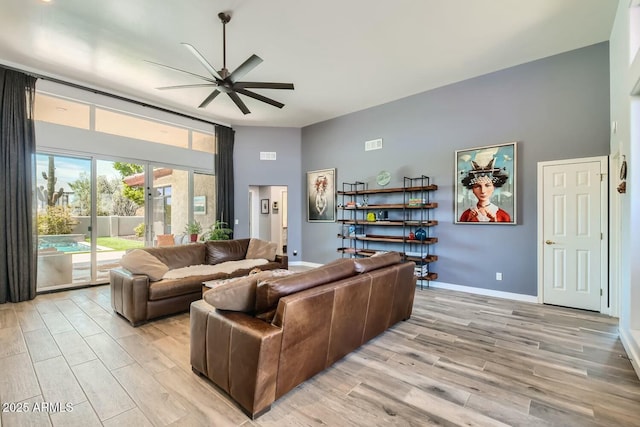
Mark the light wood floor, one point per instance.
(460, 360)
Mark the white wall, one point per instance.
(625, 140)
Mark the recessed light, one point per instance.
(59, 108)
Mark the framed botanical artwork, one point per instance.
(321, 195)
(485, 189)
(264, 206)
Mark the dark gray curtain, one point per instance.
(224, 175)
(17, 172)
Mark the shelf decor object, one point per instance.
(485, 185)
(383, 178)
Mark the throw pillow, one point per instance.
(261, 249)
(237, 294)
(139, 261)
(367, 264)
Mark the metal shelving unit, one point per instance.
(398, 213)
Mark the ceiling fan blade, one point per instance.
(209, 98)
(236, 99)
(202, 60)
(244, 68)
(260, 97)
(208, 79)
(185, 86)
(263, 85)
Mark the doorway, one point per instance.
(573, 233)
(268, 205)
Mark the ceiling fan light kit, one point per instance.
(225, 82)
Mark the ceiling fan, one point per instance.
(225, 82)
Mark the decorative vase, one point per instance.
(421, 234)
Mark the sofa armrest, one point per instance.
(129, 295)
(238, 352)
(283, 260)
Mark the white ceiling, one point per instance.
(342, 55)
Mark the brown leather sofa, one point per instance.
(301, 325)
(139, 299)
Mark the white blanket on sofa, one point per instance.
(206, 269)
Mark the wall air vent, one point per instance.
(267, 155)
(374, 144)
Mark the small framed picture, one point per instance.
(485, 190)
(264, 206)
(200, 205)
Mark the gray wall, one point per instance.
(285, 171)
(557, 108)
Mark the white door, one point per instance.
(573, 232)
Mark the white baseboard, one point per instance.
(305, 264)
(442, 285)
(482, 291)
(631, 343)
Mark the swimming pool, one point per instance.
(65, 246)
(63, 243)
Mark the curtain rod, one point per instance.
(111, 95)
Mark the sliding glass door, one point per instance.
(64, 220)
(179, 197)
(120, 213)
(89, 213)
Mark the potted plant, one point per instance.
(218, 231)
(193, 229)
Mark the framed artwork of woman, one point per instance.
(321, 195)
(485, 190)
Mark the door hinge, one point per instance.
(600, 292)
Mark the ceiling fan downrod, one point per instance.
(224, 18)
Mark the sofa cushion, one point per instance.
(378, 261)
(171, 288)
(139, 261)
(261, 249)
(179, 256)
(269, 291)
(226, 250)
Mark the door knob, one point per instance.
(549, 242)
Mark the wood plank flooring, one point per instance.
(461, 360)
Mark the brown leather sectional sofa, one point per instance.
(301, 325)
(139, 299)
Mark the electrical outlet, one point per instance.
(498, 276)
